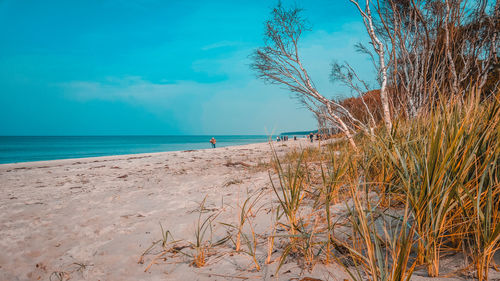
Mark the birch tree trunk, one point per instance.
(379, 49)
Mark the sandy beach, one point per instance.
(92, 218)
(111, 111)
(99, 218)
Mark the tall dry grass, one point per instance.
(409, 197)
(428, 188)
(445, 163)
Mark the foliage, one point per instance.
(428, 188)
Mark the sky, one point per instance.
(159, 67)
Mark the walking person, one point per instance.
(311, 136)
(213, 141)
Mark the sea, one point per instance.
(14, 149)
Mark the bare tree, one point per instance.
(345, 74)
(438, 49)
(425, 51)
(379, 48)
(278, 62)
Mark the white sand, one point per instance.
(104, 212)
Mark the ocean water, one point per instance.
(24, 149)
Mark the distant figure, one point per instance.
(294, 138)
(278, 139)
(311, 136)
(213, 141)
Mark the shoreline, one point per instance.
(21, 149)
(121, 155)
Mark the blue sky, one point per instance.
(116, 67)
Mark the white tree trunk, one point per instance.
(379, 49)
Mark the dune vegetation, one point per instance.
(420, 174)
(428, 188)
(413, 176)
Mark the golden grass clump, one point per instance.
(428, 188)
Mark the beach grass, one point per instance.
(427, 189)
(407, 198)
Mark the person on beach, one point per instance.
(278, 139)
(311, 136)
(213, 141)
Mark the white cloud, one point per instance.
(129, 88)
(244, 107)
(220, 44)
(240, 103)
